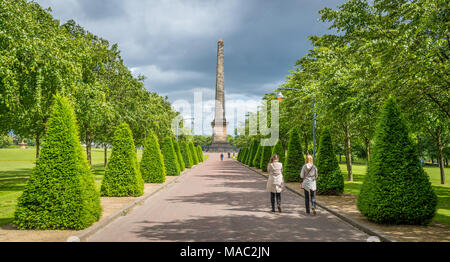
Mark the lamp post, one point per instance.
(183, 119)
(280, 98)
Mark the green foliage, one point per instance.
(152, 163)
(396, 189)
(185, 152)
(330, 180)
(5, 141)
(253, 149)
(247, 152)
(60, 193)
(199, 153)
(257, 159)
(170, 157)
(122, 175)
(294, 158)
(266, 154)
(181, 163)
(193, 153)
(279, 150)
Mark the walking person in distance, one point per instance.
(275, 183)
(309, 175)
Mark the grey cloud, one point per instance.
(174, 42)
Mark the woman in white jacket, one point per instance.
(309, 175)
(275, 183)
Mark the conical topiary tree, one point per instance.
(60, 193)
(185, 152)
(247, 153)
(330, 180)
(193, 153)
(122, 174)
(152, 163)
(181, 163)
(294, 158)
(253, 149)
(257, 158)
(266, 154)
(279, 150)
(396, 190)
(199, 153)
(170, 157)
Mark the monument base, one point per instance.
(221, 148)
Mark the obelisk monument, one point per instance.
(219, 124)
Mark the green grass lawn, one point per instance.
(16, 166)
(442, 191)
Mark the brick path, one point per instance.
(224, 201)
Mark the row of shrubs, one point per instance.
(396, 190)
(61, 192)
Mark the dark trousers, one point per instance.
(272, 199)
(310, 195)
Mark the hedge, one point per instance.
(152, 164)
(266, 154)
(193, 153)
(170, 157)
(185, 152)
(294, 158)
(279, 150)
(330, 180)
(396, 190)
(253, 149)
(60, 193)
(257, 159)
(181, 163)
(199, 153)
(122, 175)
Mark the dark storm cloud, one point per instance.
(174, 42)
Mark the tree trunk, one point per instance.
(88, 147)
(440, 159)
(106, 154)
(38, 145)
(348, 156)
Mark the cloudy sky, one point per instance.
(174, 44)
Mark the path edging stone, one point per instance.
(345, 218)
(83, 236)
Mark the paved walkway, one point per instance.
(224, 201)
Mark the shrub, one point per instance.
(200, 153)
(395, 190)
(122, 175)
(193, 153)
(247, 152)
(5, 141)
(330, 180)
(185, 152)
(253, 148)
(294, 158)
(257, 158)
(152, 164)
(60, 193)
(170, 157)
(279, 150)
(181, 163)
(266, 154)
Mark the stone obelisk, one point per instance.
(219, 124)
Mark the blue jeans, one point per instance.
(308, 195)
(272, 199)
